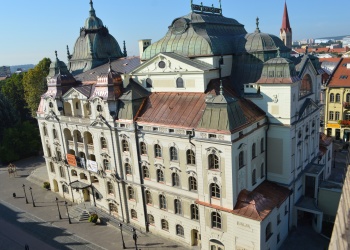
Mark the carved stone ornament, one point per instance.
(213, 150)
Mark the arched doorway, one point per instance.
(216, 245)
(55, 186)
(195, 238)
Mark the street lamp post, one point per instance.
(134, 236)
(58, 209)
(31, 193)
(65, 203)
(121, 232)
(25, 195)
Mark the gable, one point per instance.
(171, 63)
(74, 93)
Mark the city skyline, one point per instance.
(34, 30)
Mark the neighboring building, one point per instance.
(337, 120)
(346, 41)
(185, 145)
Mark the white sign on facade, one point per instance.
(92, 166)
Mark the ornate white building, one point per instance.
(211, 141)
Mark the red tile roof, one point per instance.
(341, 74)
(332, 59)
(257, 204)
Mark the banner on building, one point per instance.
(91, 166)
(71, 160)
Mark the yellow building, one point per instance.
(337, 110)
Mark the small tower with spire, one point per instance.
(286, 30)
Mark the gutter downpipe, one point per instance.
(115, 163)
(266, 132)
(141, 179)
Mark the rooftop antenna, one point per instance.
(124, 50)
(56, 54)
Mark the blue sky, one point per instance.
(32, 30)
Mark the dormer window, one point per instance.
(149, 83)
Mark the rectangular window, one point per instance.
(171, 130)
(337, 115)
(155, 129)
(211, 136)
(331, 115)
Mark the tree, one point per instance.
(34, 83)
(19, 141)
(14, 91)
(8, 115)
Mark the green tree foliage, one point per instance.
(34, 83)
(19, 141)
(13, 90)
(8, 115)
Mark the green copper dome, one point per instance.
(198, 34)
(93, 22)
(94, 47)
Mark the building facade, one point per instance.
(210, 138)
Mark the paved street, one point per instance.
(40, 226)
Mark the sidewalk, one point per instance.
(43, 219)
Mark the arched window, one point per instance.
(125, 146)
(192, 183)
(180, 231)
(337, 98)
(54, 133)
(268, 231)
(62, 172)
(131, 193)
(165, 225)
(254, 177)
(106, 165)
(77, 105)
(213, 161)
(331, 97)
(157, 151)
(148, 83)
(103, 142)
(52, 167)
(179, 82)
(145, 171)
(133, 214)
(215, 190)
(194, 212)
(149, 197)
(262, 170)
(113, 209)
(215, 220)
(160, 175)
(110, 189)
(191, 159)
(65, 189)
(347, 97)
(253, 151)
(45, 130)
(241, 159)
(175, 180)
(262, 145)
(150, 219)
(306, 86)
(216, 245)
(162, 202)
(94, 179)
(128, 170)
(177, 206)
(83, 176)
(143, 148)
(173, 154)
(74, 173)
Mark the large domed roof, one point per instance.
(198, 34)
(94, 47)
